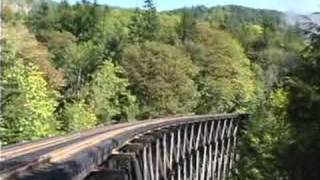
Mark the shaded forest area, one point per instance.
(70, 67)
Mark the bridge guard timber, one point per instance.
(191, 150)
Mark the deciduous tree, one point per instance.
(28, 103)
(161, 76)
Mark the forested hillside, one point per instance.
(72, 67)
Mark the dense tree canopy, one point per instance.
(110, 95)
(78, 116)
(225, 81)
(161, 77)
(303, 111)
(70, 67)
(30, 50)
(28, 109)
(144, 24)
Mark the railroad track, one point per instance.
(74, 156)
(23, 156)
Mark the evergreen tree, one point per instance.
(145, 24)
(151, 18)
(136, 27)
(187, 26)
(302, 159)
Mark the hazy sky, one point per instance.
(299, 6)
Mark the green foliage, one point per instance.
(251, 37)
(226, 82)
(161, 77)
(41, 19)
(112, 33)
(152, 24)
(81, 60)
(30, 50)
(301, 158)
(8, 14)
(196, 65)
(272, 60)
(145, 24)
(168, 30)
(78, 116)
(58, 42)
(110, 97)
(187, 26)
(28, 102)
(136, 27)
(80, 19)
(269, 134)
(231, 17)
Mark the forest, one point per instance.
(69, 67)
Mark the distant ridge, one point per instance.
(25, 5)
(247, 14)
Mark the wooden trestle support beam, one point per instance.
(198, 150)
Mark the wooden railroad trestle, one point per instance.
(197, 150)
